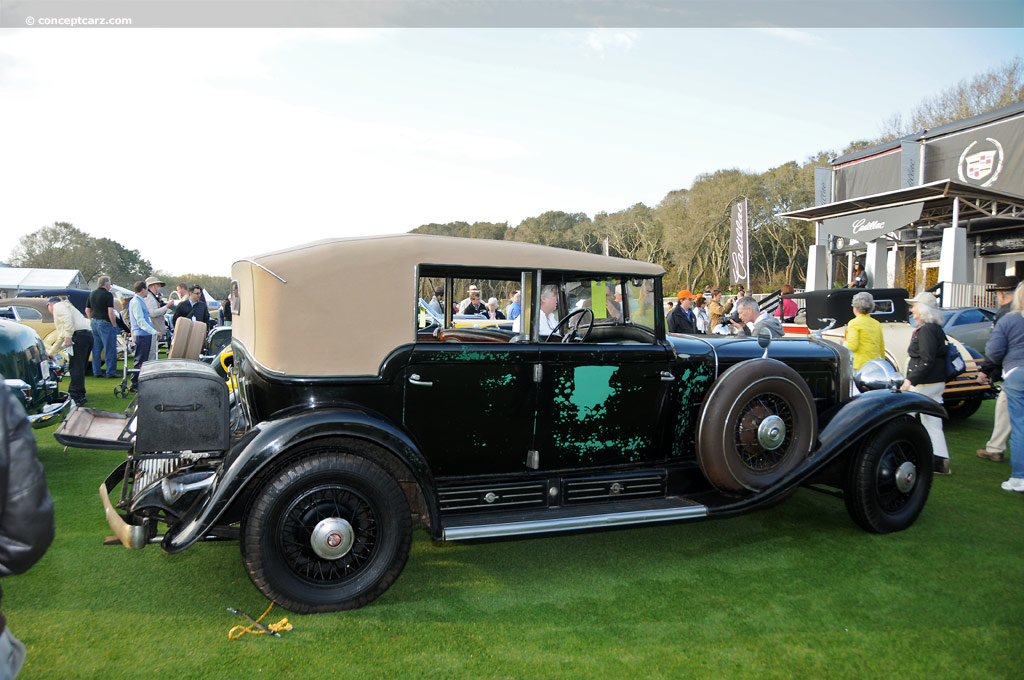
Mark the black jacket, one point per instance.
(198, 312)
(927, 354)
(679, 323)
(26, 509)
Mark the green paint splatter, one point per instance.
(691, 386)
(583, 428)
(593, 388)
(500, 381)
(469, 356)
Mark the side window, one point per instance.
(969, 316)
(456, 300)
(29, 314)
(640, 297)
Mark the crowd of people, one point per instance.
(472, 304)
(142, 320)
(707, 314)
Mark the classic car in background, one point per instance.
(971, 326)
(30, 374)
(588, 417)
(830, 310)
(430, 319)
(32, 312)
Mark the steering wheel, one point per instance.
(573, 331)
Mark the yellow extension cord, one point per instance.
(239, 631)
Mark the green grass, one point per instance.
(796, 591)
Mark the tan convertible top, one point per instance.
(340, 306)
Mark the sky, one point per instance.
(199, 147)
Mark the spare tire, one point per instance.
(757, 424)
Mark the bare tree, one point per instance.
(994, 89)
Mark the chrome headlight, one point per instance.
(877, 374)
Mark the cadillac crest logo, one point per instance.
(981, 167)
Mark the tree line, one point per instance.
(64, 246)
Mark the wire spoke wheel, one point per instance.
(307, 512)
(757, 424)
(749, 444)
(327, 532)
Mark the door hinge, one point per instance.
(538, 372)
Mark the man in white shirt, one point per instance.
(548, 305)
(74, 331)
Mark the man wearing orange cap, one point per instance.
(682, 319)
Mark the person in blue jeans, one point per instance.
(142, 330)
(1006, 347)
(103, 321)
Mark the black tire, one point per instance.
(879, 496)
(730, 451)
(961, 409)
(317, 491)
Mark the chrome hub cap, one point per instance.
(332, 538)
(906, 475)
(771, 432)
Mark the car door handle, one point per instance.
(666, 376)
(415, 380)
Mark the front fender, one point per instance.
(853, 419)
(844, 426)
(269, 439)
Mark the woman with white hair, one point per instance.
(1006, 347)
(864, 333)
(926, 370)
(492, 309)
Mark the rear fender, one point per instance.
(269, 440)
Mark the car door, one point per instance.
(602, 402)
(601, 405)
(470, 406)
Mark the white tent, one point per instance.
(13, 280)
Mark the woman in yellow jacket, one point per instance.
(864, 333)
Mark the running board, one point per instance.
(678, 510)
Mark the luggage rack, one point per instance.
(95, 429)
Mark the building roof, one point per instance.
(933, 133)
(936, 199)
(22, 278)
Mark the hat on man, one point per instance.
(1005, 283)
(152, 279)
(685, 294)
(53, 299)
(926, 299)
(473, 289)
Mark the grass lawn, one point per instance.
(796, 591)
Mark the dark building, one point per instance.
(943, 206)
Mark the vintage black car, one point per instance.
(30, 374)
(352, 425)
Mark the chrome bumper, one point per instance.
(50, 415)
(132, 536)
